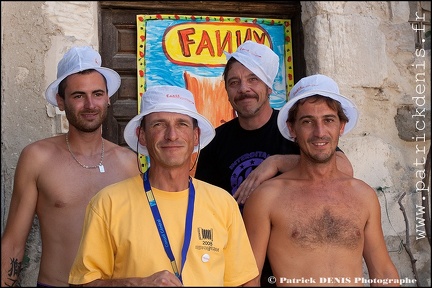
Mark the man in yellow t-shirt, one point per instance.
(164, 227)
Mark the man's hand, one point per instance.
(159, 279)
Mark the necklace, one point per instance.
(100, 165)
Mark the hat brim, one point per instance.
(207, 132)
(252, 66)
(113, 81)
(348, 106)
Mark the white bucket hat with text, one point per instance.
(78, 59)
(316, 85)
(259, 59)
(165, 98)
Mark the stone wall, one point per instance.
(374, 50)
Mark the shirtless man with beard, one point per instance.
(56, 177)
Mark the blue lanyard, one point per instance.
(161, 228)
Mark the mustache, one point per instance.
(245, 96)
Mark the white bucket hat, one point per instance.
(78, 59)
(167, 98)
(316, 85)
(259, 59)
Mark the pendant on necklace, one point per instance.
(101, 168)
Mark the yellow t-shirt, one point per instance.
(120, 239)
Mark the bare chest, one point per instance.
(312, 223)
(327, 227)
(66, 184)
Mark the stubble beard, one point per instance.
(85, 126)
